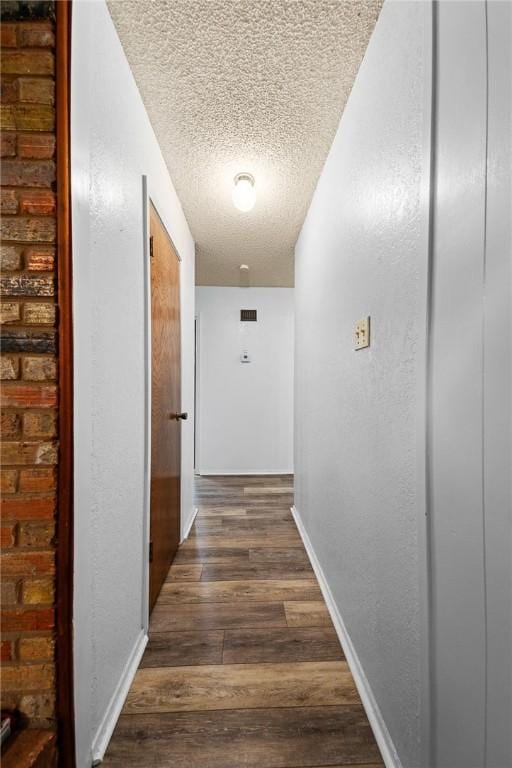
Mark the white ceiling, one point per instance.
(245, 85)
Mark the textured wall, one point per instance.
(245, 409)
(362, 251)
(112, 146)
(498, 387)
(471, 392)
(29, 362)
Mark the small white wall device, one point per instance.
(245, 357)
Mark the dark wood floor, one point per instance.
(243, 667)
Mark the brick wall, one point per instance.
(28, 360)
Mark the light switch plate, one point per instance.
(362, 333)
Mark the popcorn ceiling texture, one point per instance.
(245, 86)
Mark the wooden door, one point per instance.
(165, 406)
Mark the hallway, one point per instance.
(243, 666)
(256, 378)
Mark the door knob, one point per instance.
(178, 416)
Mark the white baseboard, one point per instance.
(106, 728)
(189, 526)
(241, 472)
(380, 731)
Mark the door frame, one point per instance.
(146, 266)
(197, 392)
(64, 588)
(148, 200)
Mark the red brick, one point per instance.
(28, 63)
(10, 257)
(9, 480)
(39, 368)
(39, 706)
(29, 230)
(36, 648)
(40, 203)
(26, 285)
(8, 35)
(28, 677)
(27, 563)
(37, 481)
(29, 453)
(36, 146)
(35, 535)
(38, 592)
(19, 620)
(7, 650)
(8, 144)
(28, 173)
(36, 90)
(28, 396)
(9, 91)
(28, 508)
(34, 117)
(11, 428)
(40, 425)
(9, 313)
(8, 535)
(10, 590)
(40, 259)
(36, 35)
(36, 313)
(7, 117)
(9, 201)
(9, 368)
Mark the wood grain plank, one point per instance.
(261, 490)
(175, 649)
(267, 738)
(232, 682)
(221, 511)
(307, 614)
(241, 526)
(202, 616)
(230, 541)
(184, 572)
(241, 686)
(269, 591)
(208, 555)
(247, 646)
(251, 570)
(275, 555)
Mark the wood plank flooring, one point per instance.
(243, 668)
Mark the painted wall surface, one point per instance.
(362, 252)
(245, 420)
(426, 395)
(113, 145)
(498, 387)
(471, 389)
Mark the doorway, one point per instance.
(165, 484)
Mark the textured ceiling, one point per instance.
(247, 85)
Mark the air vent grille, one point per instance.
(248, 314)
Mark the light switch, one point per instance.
(362, 334)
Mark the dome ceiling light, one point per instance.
(244, 193)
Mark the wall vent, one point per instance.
(248, 314)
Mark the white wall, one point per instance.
(498, 388)
(361, 252)
(113, 145)
(470, 455)
(420, 421)
(245, 419)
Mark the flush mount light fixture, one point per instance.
(244, 193)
